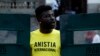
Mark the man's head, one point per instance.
(45, 16)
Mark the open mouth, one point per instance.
(53, 23)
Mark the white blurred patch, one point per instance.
(52, 3)
(8, 37)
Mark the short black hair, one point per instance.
(42, 9)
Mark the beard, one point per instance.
(48, 25)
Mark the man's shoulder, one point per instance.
(56, 31)
(35, 31)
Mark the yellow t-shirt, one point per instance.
(45, 44)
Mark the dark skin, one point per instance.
(47, 22)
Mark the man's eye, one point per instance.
(52, 14)
(47, 16)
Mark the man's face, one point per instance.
(47, 20)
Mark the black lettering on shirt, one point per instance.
(45, 49)
(54, 44)
(35, 44)
(44, 44)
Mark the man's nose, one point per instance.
(53, 18)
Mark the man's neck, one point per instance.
(45, 31)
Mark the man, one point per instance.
(96, 38)
(45, 41)
(92, 37)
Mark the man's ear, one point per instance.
(39, 20)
